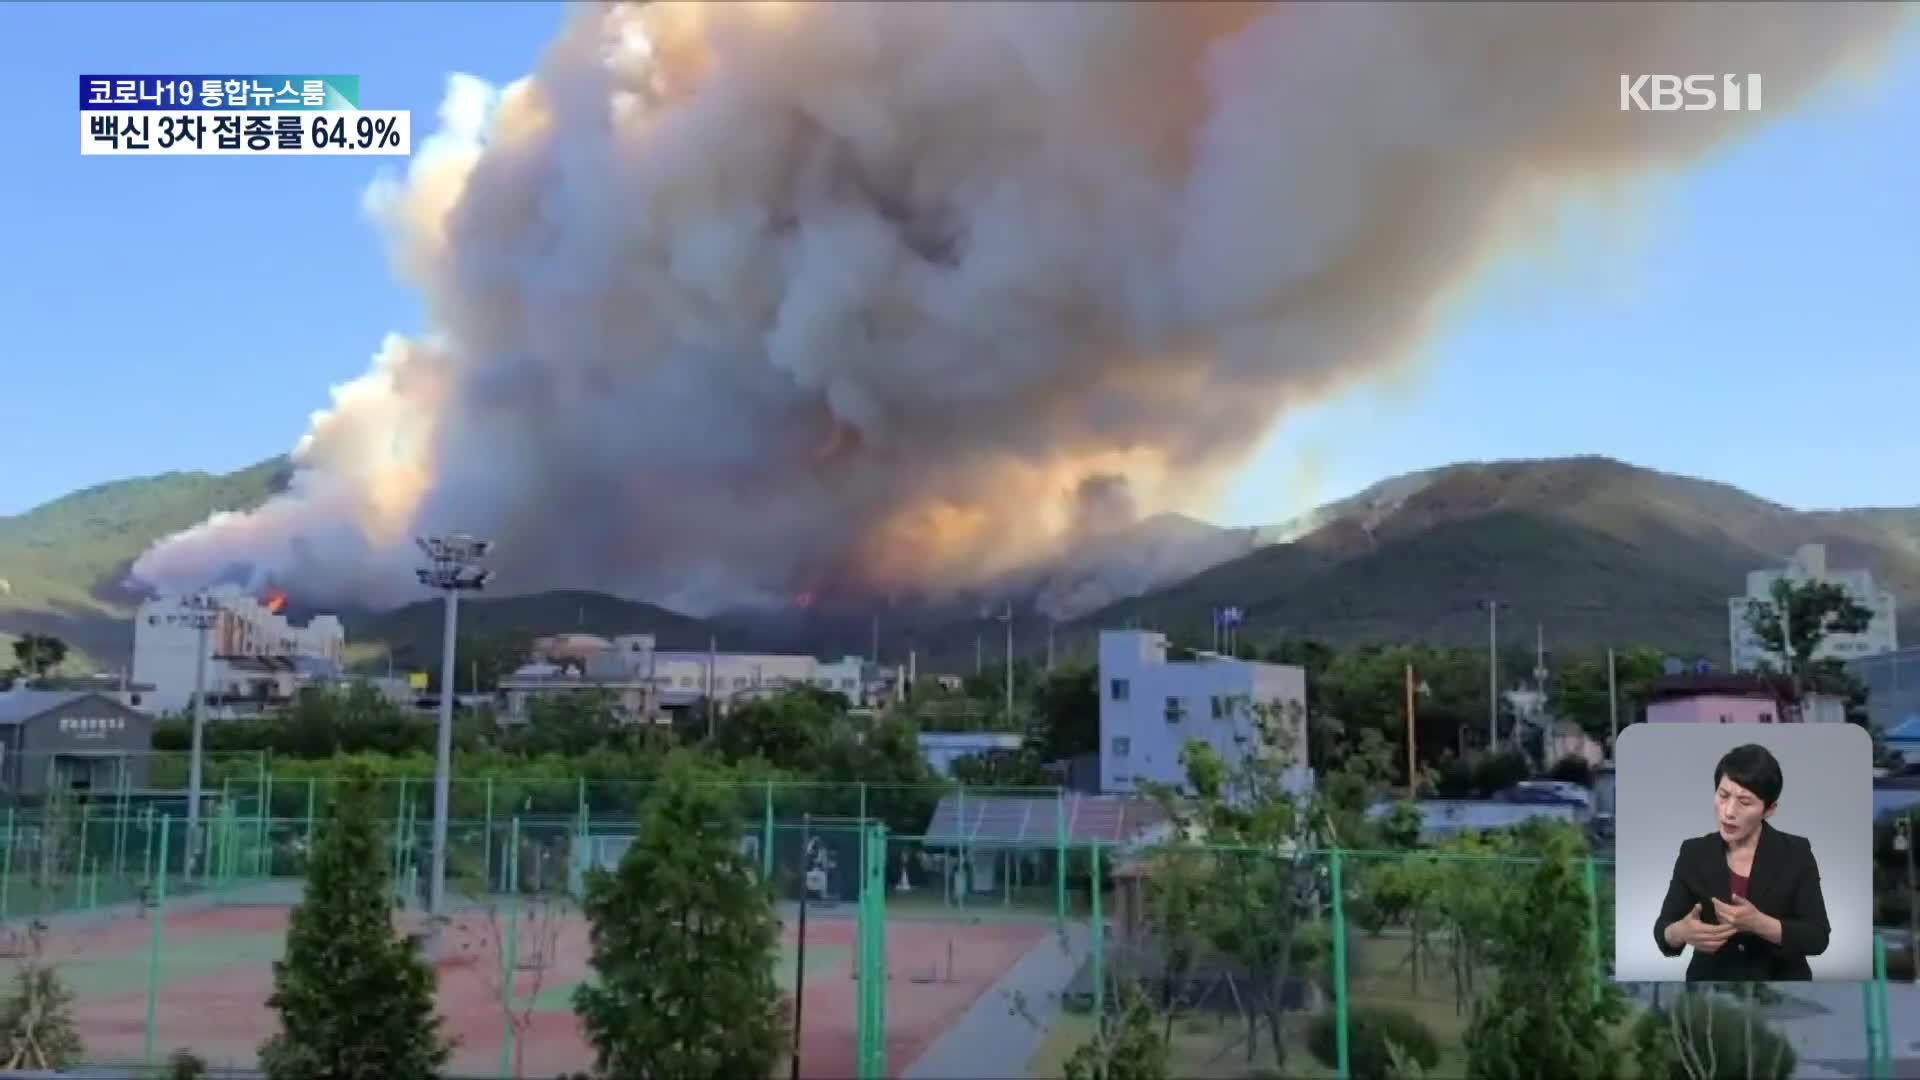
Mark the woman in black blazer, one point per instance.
(1746, 897)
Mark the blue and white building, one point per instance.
(1150, 706)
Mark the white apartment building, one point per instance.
(252, 651)
(1151, 706)
(1809, 564)
(729, 677)
(647, 680)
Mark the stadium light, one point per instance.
(452, 568)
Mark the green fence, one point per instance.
(1012, 953)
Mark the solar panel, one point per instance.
(1022, 821)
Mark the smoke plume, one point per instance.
(735, 300)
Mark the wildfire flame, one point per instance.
(274, 601)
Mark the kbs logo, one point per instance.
(1691, 93)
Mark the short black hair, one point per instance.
(1752, 767)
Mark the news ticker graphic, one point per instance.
(261, 115)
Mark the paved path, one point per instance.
(988, 1040)
(1833, 1041)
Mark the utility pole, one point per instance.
(1009, 620)
(1540, 696)
(1050, 626)
(979, 654)
(875, 657)
(1493, 675)
(452, 568)
(1413, 768)
(1613, 705)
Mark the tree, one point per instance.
(1066, 714)
(39, 653)
(683, 938)
(1813, 611)
(1549, 1013)
(1578, 692)
(1130, 1048)
(355, 1000)
(523, 938)
(788, 728)
(36, 1022)
(1260, 892)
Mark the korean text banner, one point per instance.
(214, 92)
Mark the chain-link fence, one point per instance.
(1004, 937)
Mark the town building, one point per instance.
(1892, 680)
(726, 678)
(1150, 706)
(78, 741)
(653, 684)
(942, 748)
(254, 655)
(1809, 564)
(1716, 698)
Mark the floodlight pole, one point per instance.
(204, 612)
(452, 565)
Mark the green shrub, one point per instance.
(1370, 1031)
(1713, 1035)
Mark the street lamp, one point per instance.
(452, 567)
(203, 612)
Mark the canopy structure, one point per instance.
(1041, 821)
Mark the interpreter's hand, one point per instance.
(1690, 930)
(1739, 914)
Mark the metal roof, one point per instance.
(18, 706)
(1039, 821)
(1908, 731)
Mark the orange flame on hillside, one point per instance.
(274, 601)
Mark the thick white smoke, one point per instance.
(740, 299)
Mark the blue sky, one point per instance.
(1757, 326)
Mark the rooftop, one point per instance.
(1040, 821)
(18, 706)
(1719, 684)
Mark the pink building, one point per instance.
(1718, 699)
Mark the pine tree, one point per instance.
(1550, 1013)
(355, 999)
(683, 943)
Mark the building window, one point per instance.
(1122, 746)
(1726, 719)
(1766, 718)
(1119, 690)
(1176, 710)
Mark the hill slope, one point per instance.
(63, 561)
(1594, 550)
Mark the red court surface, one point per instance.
(216, 974)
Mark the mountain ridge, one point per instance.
(1408, 556)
